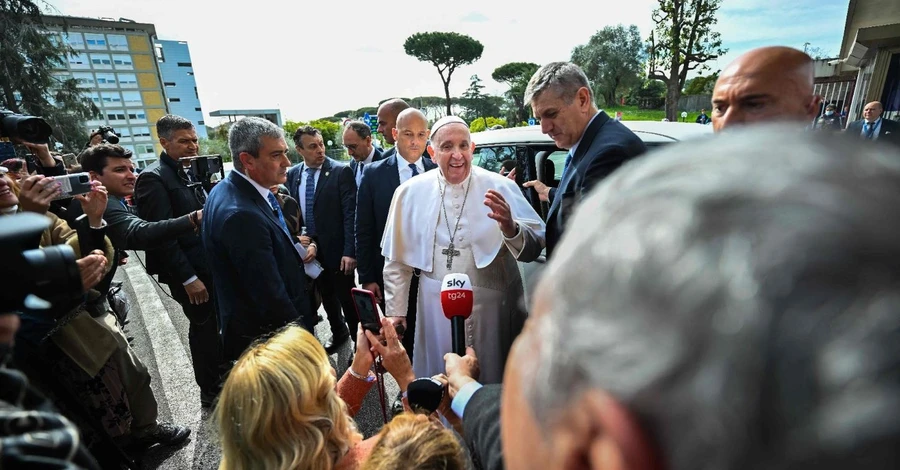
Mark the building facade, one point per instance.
(870, 51)
(174, 58)
(115, 64)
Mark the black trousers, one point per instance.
(203, 337)
(334, 287)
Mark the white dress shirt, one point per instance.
(875, 131)
(301, 191)
(360, 165)
(405, 171)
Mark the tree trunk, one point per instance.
(673, 94)
(447, 95)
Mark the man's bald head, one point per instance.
(411, 134)
(387, 117)
(872, 111)
(765, 85)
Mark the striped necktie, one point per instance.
(309, 217)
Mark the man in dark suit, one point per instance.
(387, 121)
(875, 127)
(561, 98)
(258, 274)
(374, 200)
(358, 142)
(326, 192)
(167, 190)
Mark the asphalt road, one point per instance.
(160, 333)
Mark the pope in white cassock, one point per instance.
(459, 219)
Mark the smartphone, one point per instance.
(366, 309)
(73, 185)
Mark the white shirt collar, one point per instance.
(575, 147)
(263, 191)
(370, 157)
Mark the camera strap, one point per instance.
(379, 378)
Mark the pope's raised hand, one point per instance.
(501, 212)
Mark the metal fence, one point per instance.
(694, 103)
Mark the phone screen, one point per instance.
(366, 310)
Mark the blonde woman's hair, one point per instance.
(279, 408)
(413, 441)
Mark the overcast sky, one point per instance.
(314, 59)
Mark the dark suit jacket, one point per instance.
(605, 145)
(373, 200)
(258, 275)
(162, 194)
(481, 427)
(334, 208)
(375, 157)
(889, 132)
(129, 232)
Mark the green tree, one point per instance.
(28, 55)
(215, 146)
(446, 51)
(700, 85)
(613, 60)
(479, 125)
(330, 131)
(682, 40)
(516, 76)
(477, 104)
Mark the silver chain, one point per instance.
(444, 207)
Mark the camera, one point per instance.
(18, 126)
(109, 134)
(36, 278)
(203, 168)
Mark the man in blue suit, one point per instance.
(561, 98)
(374, 200)
(327, 195)
(358, 142)
(259, 280)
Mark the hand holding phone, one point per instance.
(367, 310)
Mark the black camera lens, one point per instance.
(28, 128)
(111, 137)
(83, 178)
(54, 273)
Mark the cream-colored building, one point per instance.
(117, 68)
(870, 53)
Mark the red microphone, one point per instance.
(456, 302)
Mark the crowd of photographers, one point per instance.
(723, 303)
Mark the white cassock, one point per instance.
(416, 236)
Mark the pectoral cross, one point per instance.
(450, 252)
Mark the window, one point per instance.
(113, 115)
(137, 117)
(95, 41)
(191, 74)
(160, 54)
(196, 109)
(132, 98)
(196, 95)
(174, 100)
(117, 42)
(78, 62)
(106, 80)
(490, 158)
(128, 80)
(184, 64)
(111, 98)
(85, 79)
(76, 40)
(123, 62)
(95, 97)
(169, 84)
(143, 149)
(200, 123)
(129, 147)
(101, 61)
(140, 132)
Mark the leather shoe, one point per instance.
(331, 346)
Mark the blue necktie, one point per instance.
(277, 209)
(566, 165)
(870, 130)
(412, 167)
(308, 217)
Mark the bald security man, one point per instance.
(873, 126)
(766, 85)
(387, 121)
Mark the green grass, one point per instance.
(632, 113)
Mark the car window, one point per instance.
(559, 160)
(490, 158)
